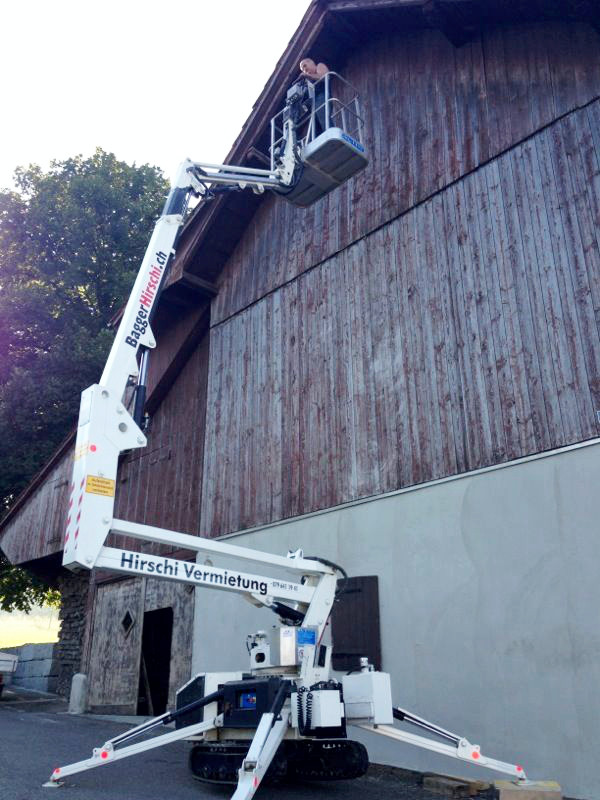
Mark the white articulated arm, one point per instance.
(134, 330)
(312, 597)
(106, 428)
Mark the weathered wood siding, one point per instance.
(462, 334)
(437, 314)
(162, 484)
(433, 113)
(114, 658)
(179, 332)
(38, 529)
(113, 670)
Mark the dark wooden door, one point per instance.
(355, 624)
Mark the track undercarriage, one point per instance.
(304, 759)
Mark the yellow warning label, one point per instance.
(103, 486)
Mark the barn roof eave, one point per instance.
(60, 452)
(327, 31)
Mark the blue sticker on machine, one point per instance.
(247, 700)
(306, 636)
(353, 142)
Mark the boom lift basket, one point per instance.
(330, 139)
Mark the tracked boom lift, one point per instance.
(286, 715)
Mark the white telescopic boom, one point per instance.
(105, 427)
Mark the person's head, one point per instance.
(309, 68)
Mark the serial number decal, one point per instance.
(292, 587)
(103, 486)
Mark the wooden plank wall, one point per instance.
(462, 334)
(423, 345)
(433, 113)
(113, 670)
(179, 331)
(39, 527)
(162, 484)
(114, 658)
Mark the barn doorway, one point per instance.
(155, 662)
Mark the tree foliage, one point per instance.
(19, 590)
(71, 241)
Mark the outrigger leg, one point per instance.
(112, 751)
(269, 735)
(454, 746)
(108, 752)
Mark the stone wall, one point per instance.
(74, 593)
(37, 667)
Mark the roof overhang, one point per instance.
(330, 31)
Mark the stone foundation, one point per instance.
(74, 593)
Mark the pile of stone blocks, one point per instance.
(37, 668)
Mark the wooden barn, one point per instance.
(404, 377)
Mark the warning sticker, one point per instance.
(80, 451)
(103, 486)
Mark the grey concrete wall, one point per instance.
(489, 595)
(37, 667)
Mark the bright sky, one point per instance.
(150, 81)
(40, 625)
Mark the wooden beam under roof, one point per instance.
(458, 20)
(327, 31)
(267, 105)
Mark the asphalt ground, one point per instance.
(37, 734)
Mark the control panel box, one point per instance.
(199, 686)
(368, 697)
(245, 701)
